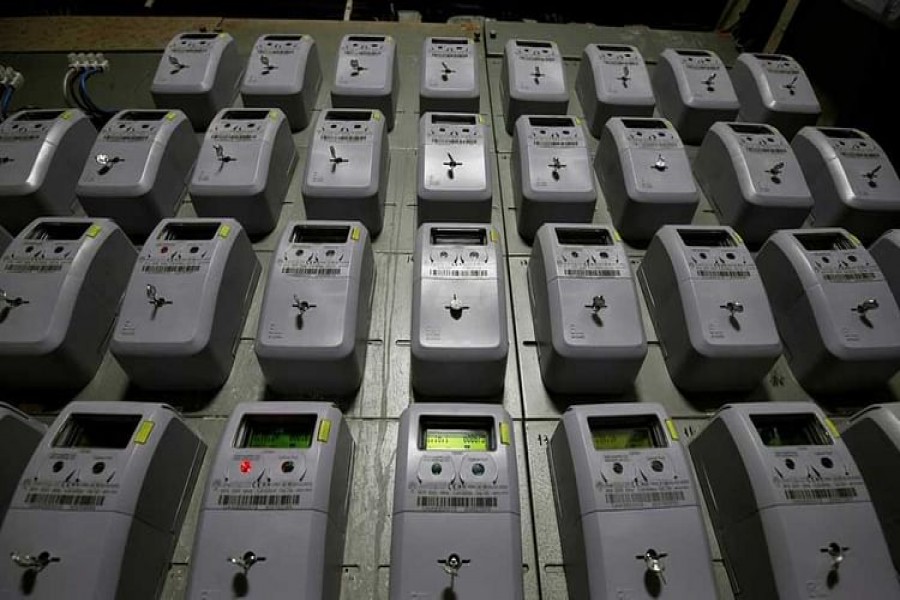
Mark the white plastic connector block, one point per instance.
(88, 60)
(11, 77)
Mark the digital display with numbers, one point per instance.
(626, 433)
(477, 440)
(276, 431)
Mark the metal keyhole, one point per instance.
(33, 563)
(456, 308)
(863, 308)
(555, 167)
(626, 76)
(734, 308)
(107, 162)
(302, 307)
(155, 300)
(597, 304)
(451, 164)
(246, 562)
(871, 175)
(775, 172)
(836, 553)
(653, 561)
(660, 164)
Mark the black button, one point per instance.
(618, 468)
(287, 466)
(789, 463)
(98, 467)
(657, 466)
(478, 469)
(57, 466)
(436, 468)
(827, 462)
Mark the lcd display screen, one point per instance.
(97, 431)
(626, 433)
(790, 430)
(276, 431)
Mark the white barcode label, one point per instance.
(74, 500)
(630, 498)
(29, 268)
(807, 495)
(441, 502)
(723, 273)
(352, 139)
(311, 271)
(170, 268)
(593, 273)
(557, 144)
(849, 277)
(459, 272)
(258, 501)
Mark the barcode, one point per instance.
(644, 497)
(170, 268)
(724, 273)
(556, 144)
(310, 271)
(82, 500)
(821, 494)
(592, 272)
(456, 502)
(446, 141)
(258, 501)
(459, 272)
(344, 138)
(26, 268)
(846, 277)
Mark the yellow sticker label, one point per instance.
(324, 430)
(376, 115)
(143, 432)
(223, 34)
(481, 119)
(854, 239)
(832, 428)
(224, 231)
(66, 115)
(94, 231)
(738, 238)
(495, 237)
(504, 433)
(616, 235)
(673, 431)
(273, 115)
(354, 234)
(171, 116)
(578, 120)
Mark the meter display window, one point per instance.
(790, 430)
(457, 435)
(276, 431)
(626, 433)
(97, 431)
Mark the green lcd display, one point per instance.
(790, 430)
(277, 431)
(457, 439)
(625, 433)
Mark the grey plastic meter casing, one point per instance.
(852, 180)
(628, 513)
(774, 89)
(244, 168)
(199, 73)
(646, 177)
(184, 307)
(873, 438)
(63, 278)
(315, 315)
(886, 252)
(347, 166)
(835, 311)
(693, 91)
(791, 514)
(456, 519)
(284, 72)
(587, 320)
(751, 177)
(280, 512)
(551, 173)
(613, 81)
(19, 436)
(138, 169)
(460, 339)
(5, 239)
(367, 75)
(709, 309)
(532, 80)
(449, 80)
(42, 153)
(454, 180)
(100, 506)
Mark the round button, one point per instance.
(478, 469)
(789, 463)
(194, 249)
(852, 258)
(98, 467)
(657, 466)
(436, 468)
(287, 466)
(57, 466)
(299, 252)
(618, 468)
(827, 462)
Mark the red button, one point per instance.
(246, 466)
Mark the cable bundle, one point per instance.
(83, 66)
(10, 81)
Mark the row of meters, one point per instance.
(91, 507)
(137, 170)
(172, 313)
